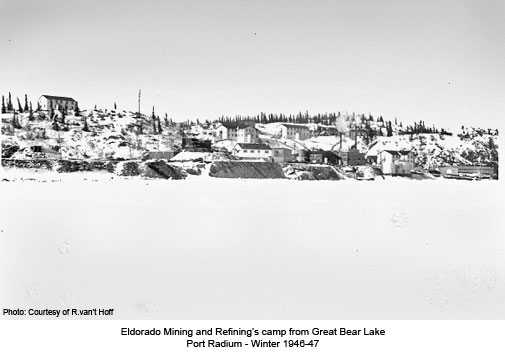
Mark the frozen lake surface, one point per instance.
(257, 249)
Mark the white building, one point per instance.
(252, 151)
(395, 162)
(51, 103)
(242, 133)
(296, 132)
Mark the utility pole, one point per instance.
(140, 91)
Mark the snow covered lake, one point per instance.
(257, 249)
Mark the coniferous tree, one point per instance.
(77, 111)
(85, 126)
(15, 122)
(390, 129)
(63, 116)
(31, 117)
(4, 109)
(491, 144)
(55, 125)
(153, 121)
(159, 124)
(9, 103)
(20, 108)
(26, 104)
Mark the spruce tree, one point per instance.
(141, 126)
(15, 122)
(3, 105)
(31, 117)
(20, 108)
(85, 126)
(26, 104)
(491, 144)
(153, 120)
(159, 124)
(63, 116)
(9, 103)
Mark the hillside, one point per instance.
(94, 134)
(121, 135)
(434, 150)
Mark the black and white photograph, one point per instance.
(225, 160)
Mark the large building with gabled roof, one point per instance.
(396, 162)
(239, 132)
(252, 151)
(50, 103)
(294, 131)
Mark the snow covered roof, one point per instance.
(254, 146)
(398, 152)
(51, 97)
(295, 126)
(236, 125)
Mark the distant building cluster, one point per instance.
(333, 140)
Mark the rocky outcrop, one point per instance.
(128, 168)
(246, 170)
(159, 169)
(312, 172)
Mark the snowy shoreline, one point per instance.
(44, 175)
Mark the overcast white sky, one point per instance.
(440, 61)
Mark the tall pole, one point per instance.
(140, 91)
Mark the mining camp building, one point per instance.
(252, 151)
(51, 103)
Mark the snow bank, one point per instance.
(200, 156)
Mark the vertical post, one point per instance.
(140, 91)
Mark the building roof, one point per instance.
(236, 125)
(398, 152)
(295, 126)
(51, 97)
(254, 146)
